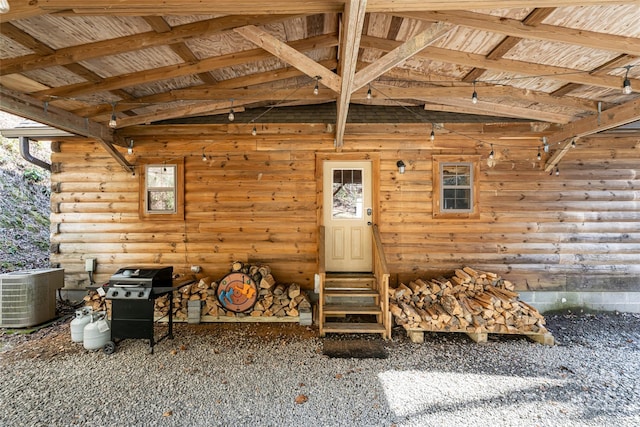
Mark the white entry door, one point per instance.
(347, 215)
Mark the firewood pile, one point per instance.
(470, 301)
(274, 299)
(97, 303)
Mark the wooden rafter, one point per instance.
(179, 70)
(608, 119)
(534, 18)
(21, 9)
(543, 32)
(505, 65)
(400, 54)
(290, 55)
(498, 109)
(354, 13)
(130, 43)
(31, 108)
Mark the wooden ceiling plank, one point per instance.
(543, 32)
(505, 65)
(401, 53)
(353, 22)
(290, 55)
(28, 107)
(172, 71)
(534, 18)
(130, 43)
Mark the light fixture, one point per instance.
(491, 153)
(204, 156)
(474, 96)
(626, 85)
(316, 88)
(112, 122)
(369, 92)
(433, 132)
(401, 166)
(130, 147)
(557, 171)
(573, 143)
(539, 155)
(232, 116)
(4, 6)
(254, 131)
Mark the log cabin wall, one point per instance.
(255, 200)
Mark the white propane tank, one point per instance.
(83, 316)
(97, 332)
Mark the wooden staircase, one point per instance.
(355, 303)
(350, 304)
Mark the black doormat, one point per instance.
(356, 349)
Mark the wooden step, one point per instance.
(343, 309)
(348, 281)
(353, 328)
(361, 292)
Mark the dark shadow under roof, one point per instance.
(358, 113)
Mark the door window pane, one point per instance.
(347, 194)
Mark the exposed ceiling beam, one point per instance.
(608, 119)
(535, 17)
(172, 71)
(401, 53)
(353, 21)
(124, 44)
(505, 65)
(33, 109)
(290, 55)
(27, 8)
(498, 109)
(544, 32)
(173, 112)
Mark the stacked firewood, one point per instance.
(274, 299)
(97, 303)
(470, 301)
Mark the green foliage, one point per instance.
(34, 175)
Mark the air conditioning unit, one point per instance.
(28, 297)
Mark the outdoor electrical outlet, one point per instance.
(90, 265)
(195, 269)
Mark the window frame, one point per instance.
(178, 212)
(473, 162)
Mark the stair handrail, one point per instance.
(321, 277)
(381, 273)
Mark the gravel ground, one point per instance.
(276, 375)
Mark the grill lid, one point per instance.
(142, 277)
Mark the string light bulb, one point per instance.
(474, 96)
(254, 131)
(546, 146)
(316, 88)
(232, 116)
(539, 154)
(204, 156)
(130, 147)
(573, 143)
(557, 171)
(112, 122)
(433, 133)
(369, 92)
(491, 154)
(626, 85)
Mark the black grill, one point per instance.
(132, 291)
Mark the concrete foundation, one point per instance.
(545, 301)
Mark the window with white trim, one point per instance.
(455, 186)
(162, 190)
